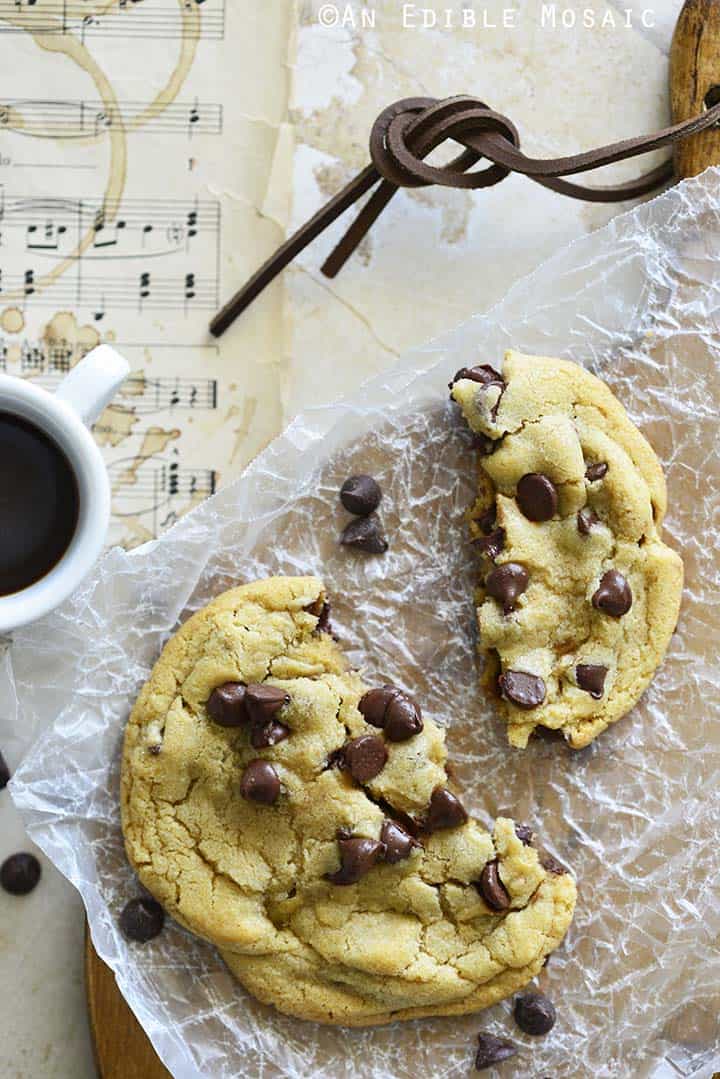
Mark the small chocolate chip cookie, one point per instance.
(579, 595)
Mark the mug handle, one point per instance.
(93, 382)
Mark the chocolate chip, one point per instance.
(505, 583)
(20, 873)
(155, 750)
(399, 844)
(524, 833)
(4, 773)
(492, 1051)
(613, 595)
(552, 865)
(591, 677)
(357, 857)
(323, 622)
(226, 704)
(403, 719)
(268, 734)
(487, 520)
(534, 1013)
(492, 544)
(364, 535)
(483, 444)
(373, 703)
(483, 373)
(596, 471)
(360, 495)
(142, 919)
(260, 783)
(522, 689)
(585, 520)
(492, 889)
(263, 702)
(537, 496)
(336, 759)
(445, 811)
(365, 757)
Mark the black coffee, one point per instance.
(39, 503)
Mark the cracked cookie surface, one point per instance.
(579, 595)
(432, 923)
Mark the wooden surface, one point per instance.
(695, 70)
(122, 1050)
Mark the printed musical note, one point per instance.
(29, 283)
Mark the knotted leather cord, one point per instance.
(406, 132)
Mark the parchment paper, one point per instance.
(637, 983)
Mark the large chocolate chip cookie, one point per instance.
(303, 823)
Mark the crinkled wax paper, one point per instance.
(637, 983)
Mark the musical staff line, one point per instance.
(126, 18)
(143, 396)
(161, 479)
(143, 291)
(84, 118)
(199, 215)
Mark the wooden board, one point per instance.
(122, 1049)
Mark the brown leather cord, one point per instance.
(406, 132)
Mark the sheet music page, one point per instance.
(139, 150)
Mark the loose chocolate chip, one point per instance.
(552, 865)
(483, 373)
(492, 1051)
(4, 773)
(399, 844)
(364, 534)
(505, 583)
(534, 1013)
(357, 857)
(226, 705)
(260, 783)
(142, 919)
(445, 811)
(492, 889)
(20, 873)
(585, 520)
(365, 757)
(403, 719)
(374, 703)
(263, 702)
(537, 496)
(524, 833)
(360, 495)
(268, 734)
(596, 471)
(487, 520)
(613, 595)
(492, 544)
(522, 689)
(591, 677)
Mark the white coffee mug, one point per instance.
(65, 417)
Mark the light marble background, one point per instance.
(434, 258)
